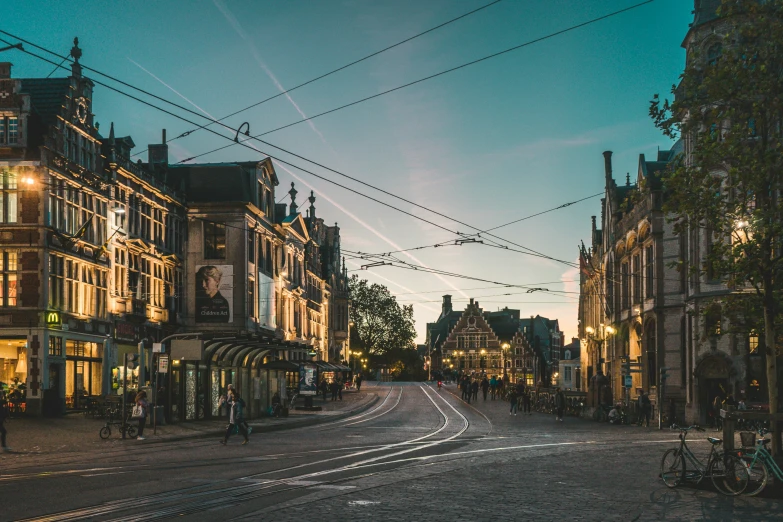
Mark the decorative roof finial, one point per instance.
(293, 207)
(627, 179)
(311, 199)
(76, 53)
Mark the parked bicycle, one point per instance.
(130, 429)
(727, 470)
(760, 463)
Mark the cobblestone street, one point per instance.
(414, 452)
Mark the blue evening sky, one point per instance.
(488, 144)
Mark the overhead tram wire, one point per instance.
(313, 80)
(242, 142)
(420, 80)
(302, 169)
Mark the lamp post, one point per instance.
(504, 348)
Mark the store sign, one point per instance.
(53, 318)
(163, 364)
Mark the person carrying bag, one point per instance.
(140, 412)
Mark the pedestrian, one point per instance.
(4, 413)
(493, 387)
(324, 387)
(501, 384)
(644, 409)
(334, 387)
(560, 403)
(463, 386)
(474, 388)
(359, 382)
(340, 389)
(526, 401)
(512, 399)
(484, 387)
(236, 417)
(141, 404)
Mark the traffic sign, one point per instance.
(163, 364)
(628, 381)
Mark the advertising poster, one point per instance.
(308, 379)
(214, 293)
(266, 301)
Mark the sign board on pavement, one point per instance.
(163, 364)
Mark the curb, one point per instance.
(263, 428)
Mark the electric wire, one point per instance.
(313, 80)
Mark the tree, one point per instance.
(380, 324)
(728, 109)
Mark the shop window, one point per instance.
(214, 240)
(8, 196)
(56, 346)
(8, 279)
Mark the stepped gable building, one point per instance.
(476, 342)
(101, 257)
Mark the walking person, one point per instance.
(324, 387)
(474, 389)
(236, 416)
(493, 387)
(340, 389)
(359, 382)
(644, 409)
(526, 401)
(334, 387)
(141, 402)
(560, 403)
(512, 399)
(484, 387)
(4, 413)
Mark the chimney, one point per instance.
(5, 70)
(446, 306)
(608, 167)
(158, 154)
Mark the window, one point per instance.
(637, 279)
(714, 53)
(8, 279)
(8, 198)
(251, 299)
(56, 282)
(56, 346)
(626, 302)
(214, 240)
(567, 372)
(712, 321)
(119, 284)
(649, 281)
(753, 343)
(9, 130)
(251, 246)
(157, 227)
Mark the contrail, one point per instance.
(229, 16)
(371, 229)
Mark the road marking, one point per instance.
(399, 398)
(333, 486)
(362, 502)
(109, 473)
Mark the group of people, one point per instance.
(518, 395)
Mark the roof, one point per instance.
(47, 96)
(705, 11)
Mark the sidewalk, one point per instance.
(75, 433)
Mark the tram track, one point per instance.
(194, 499)
(143, 450)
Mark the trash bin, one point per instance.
(158, 412)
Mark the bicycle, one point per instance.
(728, 472)
(129, 429)
(760, 463)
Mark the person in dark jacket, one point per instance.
(474, 390)
(4, 413)
(236, 417)
(334, 386)
(484, 387)
(560, 403)
(324, 387)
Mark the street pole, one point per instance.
(157, 378)
(124, 392)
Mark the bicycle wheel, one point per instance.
(729, 474)
(105, 432)
(758, 476)
(672, 468)
(132, 430)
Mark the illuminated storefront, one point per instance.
(13, 372)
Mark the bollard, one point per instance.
(728, 428)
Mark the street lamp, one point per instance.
(505, 347)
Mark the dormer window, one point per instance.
(713, 53)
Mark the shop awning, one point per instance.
(280, 365)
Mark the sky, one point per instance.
(488, 144)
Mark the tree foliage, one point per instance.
(728, 109)
(380, 324)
